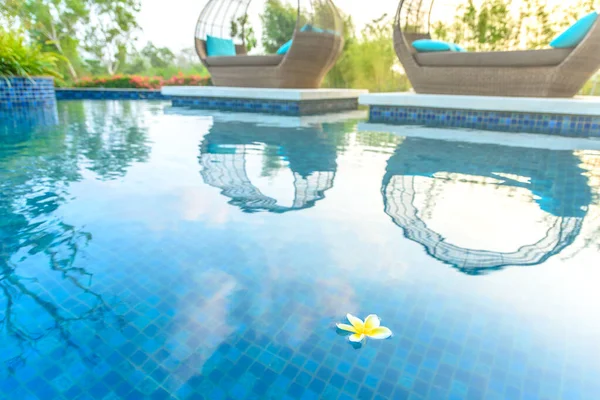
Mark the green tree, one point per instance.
(110, 37)
(158, 57)
(343, 75)
(241, 29)
(375, 58)
(53, 23)
(279, 22)
(104, 26)
(537, 28)
(489, 27)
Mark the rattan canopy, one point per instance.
(312, 54)
(520, 73)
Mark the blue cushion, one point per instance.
(426, 45)
(575, 33)
(285, 47)
(306, 28)
(219, 47)
(458, 48)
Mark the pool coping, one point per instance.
(580, 105)
(576, 117)
(262, 93)
(295, 102)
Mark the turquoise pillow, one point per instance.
(458, 48)
(575, 33)
(427, 45)
(219, 47)
(285, 47)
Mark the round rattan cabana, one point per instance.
(521, 73)
(316, 45)
(229, 148)
(556, 183)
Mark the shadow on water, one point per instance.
(309, 152)
(554, 178)
(45, 293)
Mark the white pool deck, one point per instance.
(263, 94)
(581, 105)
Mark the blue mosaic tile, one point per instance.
(551, 124)
(124, 294)
(109, 94)
(26, 104)
(26, 93)
(280, 107)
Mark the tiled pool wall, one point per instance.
(27, 101)
(281, 107)
(24, 93)
(109, 94)
(549, 124)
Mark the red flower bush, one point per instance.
(142, 82)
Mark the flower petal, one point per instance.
(346, 327)
(356, 338)
(381, 332)
(356, 322)
(372, 321)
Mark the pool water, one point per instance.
(150, 252)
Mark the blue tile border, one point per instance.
(18, 93)
(267, 106)
(109, 94)
(550, 124)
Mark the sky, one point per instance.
(171, 23)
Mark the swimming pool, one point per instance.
(149, 252)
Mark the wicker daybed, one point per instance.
(311, 55)
(529, 73)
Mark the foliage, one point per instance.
(100, 27)
(97, 37)
(538, 27)
(18, 59)
(110, 36)
(279, 22)
(182, 80)
(159, 57)
(342, 74)
(141, 82)
(52, 23)
(241, 29)
(160, 61)
(489, 27)
(369, 62)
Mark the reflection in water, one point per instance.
(25, 120)
(310, 154)
(554, 179)
(46, 296)
(108, 291)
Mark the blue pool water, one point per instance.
(150, 252)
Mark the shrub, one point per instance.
(190, 80)
(142, 82)
(19, 59)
